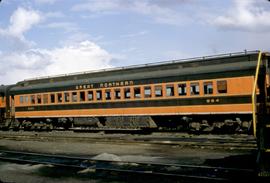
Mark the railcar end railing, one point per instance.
(254, 93)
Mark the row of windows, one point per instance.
(125, 93)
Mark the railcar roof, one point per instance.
(2, 89)
(194, 59)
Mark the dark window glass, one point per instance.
(117, 94)
(33, 99)
(108, 94)
(99, 94)
(52, 98)
(26, 99)
(182, 89)
(90, 95)
(222, 86)
(208, 87)
(39, 99)
(137, 92)
(147, 91)
(74, 96)
(66, 97)
(82, 96)
(59, 97)
(194, 89)
(21, 100)
(127, 93)
(158, 91)
(169, 90)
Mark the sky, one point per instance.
(51, 37)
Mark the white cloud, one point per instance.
(20, 21)
(18, 65)
(82, 57)
(42, 62)
(249, 15)
(26, 62)
(45, 1)
(161, 12)
(97, 6)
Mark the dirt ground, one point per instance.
(117, 151)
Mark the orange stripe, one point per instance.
(172, 110)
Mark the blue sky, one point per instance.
(49, 37)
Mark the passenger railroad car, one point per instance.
(204, 93)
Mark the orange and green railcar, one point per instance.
(205, 93)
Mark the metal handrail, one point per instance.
(254, 109)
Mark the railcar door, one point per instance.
(2, 110)
(2, 114)
(268, 80)
(10, 109)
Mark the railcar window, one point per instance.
(108, 94)
(45, 98)
(52, 96)
(26, 99)
(222, 86)
(66, 97)
(39, 99)
(208, 87)
(33, 99)
(90, 95)
(182, 89)
(137, 92)
(74, 96)
(158, 91)
(21, 100)
(147, 92)
(82, 96)
(194, 89)
(169, 90)
(117, 94)
(59, 97)
(99, 95)
(127, 93)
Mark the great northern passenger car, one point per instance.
(204, 94)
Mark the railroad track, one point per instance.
(242, 143)
(216, 143)
(121, 169)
